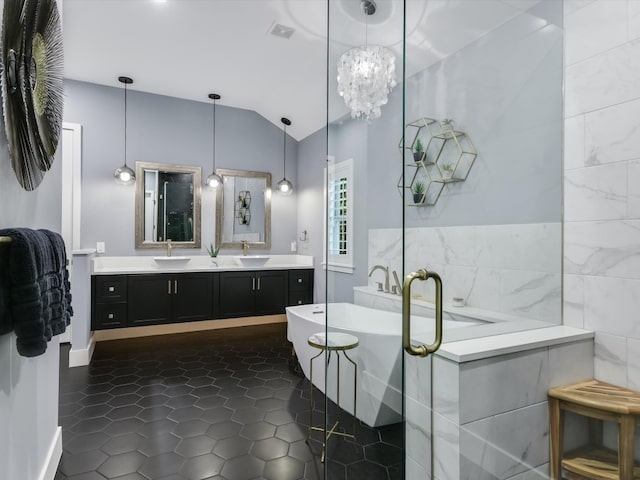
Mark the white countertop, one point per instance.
(103, 265)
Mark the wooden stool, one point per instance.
(598, 401)
(339, 343)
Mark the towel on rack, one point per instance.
(59, 292)
(5, 293)
(39, 300)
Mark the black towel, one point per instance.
(59, 286)
(5, 291)
(37, 289)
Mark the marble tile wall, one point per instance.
(602, 182)
(512, 269)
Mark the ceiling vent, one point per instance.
(281, 30)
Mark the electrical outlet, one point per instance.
(294, 246)
(100, 247)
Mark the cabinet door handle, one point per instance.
(299, 280)
(253, 283)
(112, 289)
(169, 287)
(175, 287)
(258, 283)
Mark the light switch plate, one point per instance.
(100, 248)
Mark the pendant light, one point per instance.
(124, 175)
(214, 180)
(285, 187)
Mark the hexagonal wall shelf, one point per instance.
(447, 158)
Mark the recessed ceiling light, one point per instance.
(281, 30)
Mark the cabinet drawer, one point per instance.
(109, 315)
(300, 280)
(300, 298)
(110, 288)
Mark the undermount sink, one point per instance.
(176, 261)
(253, 260)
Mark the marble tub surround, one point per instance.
(490, 416)
(510, 269)
(197, 263)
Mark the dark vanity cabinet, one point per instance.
(153, 299)
(300, 287)
(248, 293)
(109, 306)
(161, 298)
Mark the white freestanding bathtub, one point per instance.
(378, 355)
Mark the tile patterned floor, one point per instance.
(225, 404)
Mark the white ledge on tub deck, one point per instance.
(102, 265)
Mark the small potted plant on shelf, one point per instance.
(418, 151)
(418, 192)
(447, 170)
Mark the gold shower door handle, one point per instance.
(420, 350)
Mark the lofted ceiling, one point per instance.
(190, 48)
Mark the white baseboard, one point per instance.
(50, 467)
(80, 358)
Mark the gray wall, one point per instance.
(505, 91)
(28, 386)
(168, 130)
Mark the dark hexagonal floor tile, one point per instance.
(251, 382)
(242, 468)
(238, 403)
(269, 404)
(158, 412)
(182, 401)
(195, 446)
(279, 417)
(291, 432)
(160, 444)
(149, 390)
(248, 415)
(202, 467)
(91, 425)
(191, 428)
(122, 444)
(123, 389)
(157, 427)
(201, 381)
(186, 413)
(123, 464)
(162, 465)
(205, 391)
(210, 401)
(270, 448)
(97, 398)
(258, 430)
(178, 390)
(153, 400)
(128, 425)
(81, 462)
(124, 400)
(86, 442)
(368, 470)
(232, 447)
(231, 392)
(217, 414)
(285, 468)
(121, 413)
(222, 430)
(260, 392)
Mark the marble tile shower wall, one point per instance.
(513, 269)
(602, 182)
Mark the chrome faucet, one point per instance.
(398, 285)
(386, 275)
(245, 247)
(169, 248)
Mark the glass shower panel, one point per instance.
(364, 107)
(483, 135)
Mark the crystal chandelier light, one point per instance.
(366, 75)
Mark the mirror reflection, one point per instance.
(167, 205)
(243, 209)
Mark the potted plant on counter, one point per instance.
(418, 192)
(212, 251)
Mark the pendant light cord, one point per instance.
(284, 153)
(125, 124)
(214, 136)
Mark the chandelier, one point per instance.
(366, 75)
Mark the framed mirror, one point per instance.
(243, 209)
(168, 205)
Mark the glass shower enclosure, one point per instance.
(443, 214)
